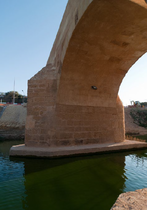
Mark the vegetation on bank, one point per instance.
(143, 104)
(8, 97)
(142, 138)
(139, 116)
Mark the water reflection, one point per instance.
(12, 186)
(75, 183)
(90, 182)
(136, 171)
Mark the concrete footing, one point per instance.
(52, 152)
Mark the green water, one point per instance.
(79, 183)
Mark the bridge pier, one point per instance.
(73, 101)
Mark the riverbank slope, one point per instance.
(132, 124)
(12, 121)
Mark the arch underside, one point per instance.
(63, 109)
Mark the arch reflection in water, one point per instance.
(75, 183)
(12, 188)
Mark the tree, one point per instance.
(8, 97)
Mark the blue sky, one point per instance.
(134, 84)
(27, 31)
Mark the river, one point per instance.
(75, 183)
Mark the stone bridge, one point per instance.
(74, 99)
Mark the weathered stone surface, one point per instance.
(136, 200)
(96, 44)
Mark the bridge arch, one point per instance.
(74, 99)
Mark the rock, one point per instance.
(136, 200)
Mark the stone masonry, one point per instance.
(97, 43)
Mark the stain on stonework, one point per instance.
(128, 33)
(114, 59)
(118, 43)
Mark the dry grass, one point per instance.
(135, 138)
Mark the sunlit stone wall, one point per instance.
(97, 43)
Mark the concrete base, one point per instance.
(50, 152)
